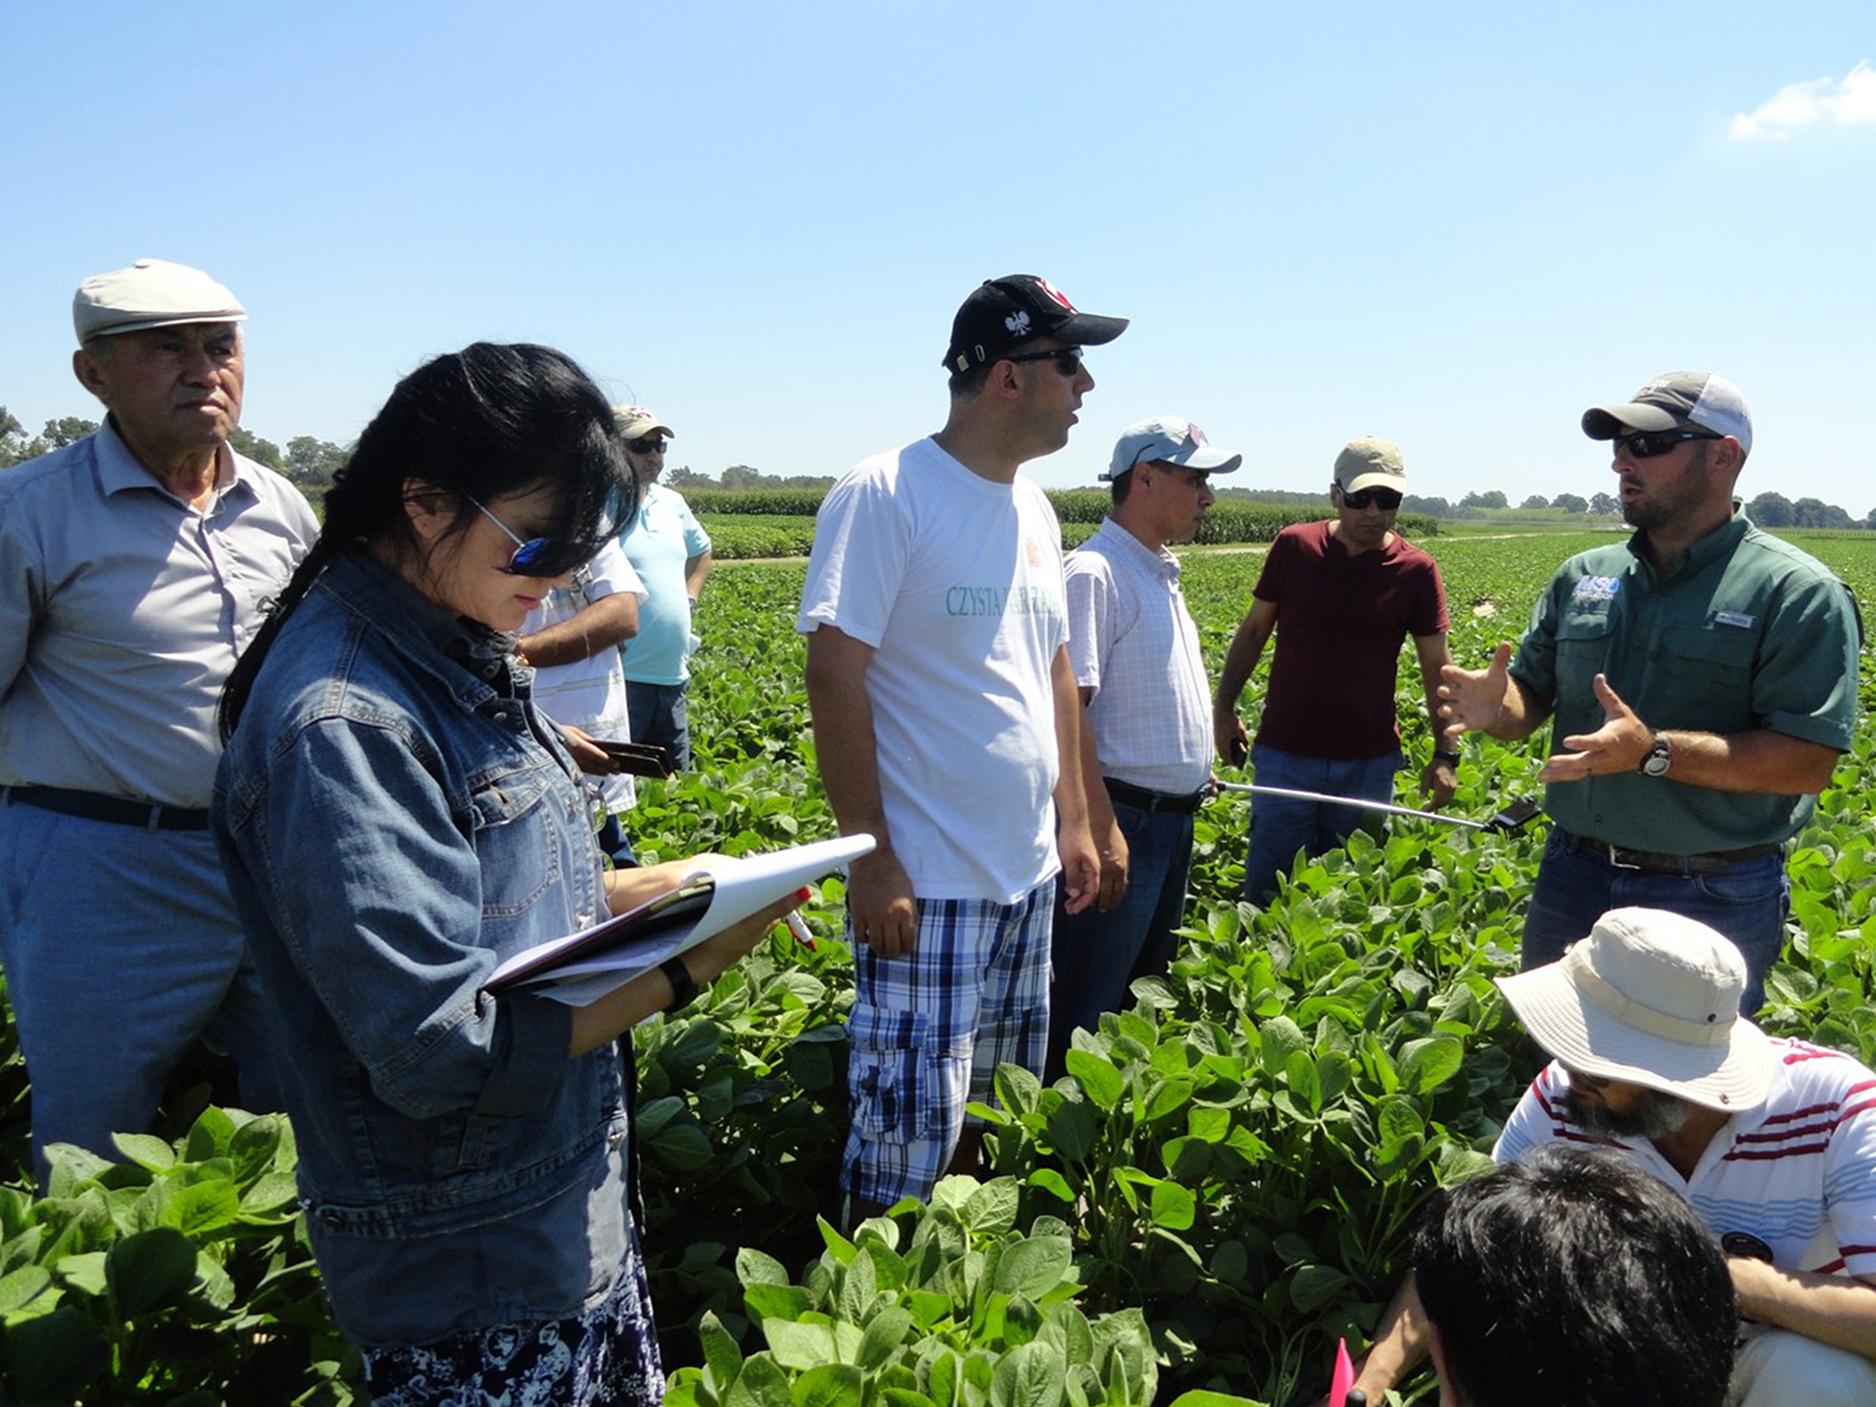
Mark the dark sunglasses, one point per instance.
(1387, 498)
(539, 556)
(1067, 359)
(1646, 444)
(650, 444)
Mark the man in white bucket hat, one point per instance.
(1772, 1141)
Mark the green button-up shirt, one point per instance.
(1742, 632)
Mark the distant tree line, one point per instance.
(311, 463)
(742, 476)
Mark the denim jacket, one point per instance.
(397, 820)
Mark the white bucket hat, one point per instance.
(1651, 998)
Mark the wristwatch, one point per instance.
(1444, 755)
(683, 985)
(1659, 757)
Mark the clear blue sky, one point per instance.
(1453, 225)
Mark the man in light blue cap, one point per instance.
(135, 565)
(1146, 735)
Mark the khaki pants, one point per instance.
(1780, 1369)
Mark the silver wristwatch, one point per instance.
(1659, 757)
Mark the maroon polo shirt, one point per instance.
(1340, 624)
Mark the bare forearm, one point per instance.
(1400, 1342)
(1519, 715)
(1760, 762)
(1829, 1308)
(696, 572)
(1071, 794)
(846, 750)
(601, 626)
(1100, 808)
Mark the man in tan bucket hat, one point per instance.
(1773, 1141)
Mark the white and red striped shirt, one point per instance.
(1799, 1172)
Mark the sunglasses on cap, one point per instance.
(1387, 498)
(539, 556)
(649, 444)
(1067, 359)
(1646, 444)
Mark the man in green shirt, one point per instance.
(1704, 681)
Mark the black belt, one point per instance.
(1655, 862)
(1143, 800)
(92, 807)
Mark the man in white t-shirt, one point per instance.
(945, 725)
(572, 639)
(1146, 737)
(1773, 1141)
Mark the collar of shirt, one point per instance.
(120, 470)
(1718, 543)
(1161, 564)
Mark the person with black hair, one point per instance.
(397, 819)
(1574, 1277)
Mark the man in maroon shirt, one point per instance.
(1347, 591)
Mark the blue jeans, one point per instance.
(1576, 886)
(1281, 825)
(1097, 956)
(120, 946)
(660, 715)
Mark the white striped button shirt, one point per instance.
(1132, 641)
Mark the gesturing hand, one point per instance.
(1618, 746)
(1472, 699)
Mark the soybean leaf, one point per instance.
(1173, 1206)
(1033, 1267)
(883, 1335)
(830, 1385)
(1427, 1064)
(1098, 1078)
(797, 1345)
(149, 1269)
(760, 1384)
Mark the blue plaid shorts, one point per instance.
(928, 1030)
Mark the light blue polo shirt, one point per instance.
(663, 537)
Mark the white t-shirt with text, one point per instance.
(956, 582)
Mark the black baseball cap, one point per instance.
(1003, 313)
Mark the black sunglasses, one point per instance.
(1646, 444)
(1067, 359)
(650, 444)
(1387, 498)
(540, 556)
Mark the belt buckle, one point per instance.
(1616, 862)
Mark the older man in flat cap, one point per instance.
(134, 567)
(1703, 676)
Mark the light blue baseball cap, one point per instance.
(1169, 439)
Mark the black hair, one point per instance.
(1573, 1276)
(1120, 486)
(484, 423)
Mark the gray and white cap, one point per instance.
(150, 293)
(1677, 400)
(1170, 439)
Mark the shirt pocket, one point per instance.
(516, 836)
(1711, 670)
(1583, 638)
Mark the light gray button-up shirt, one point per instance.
(1132, 640)
(122, 611)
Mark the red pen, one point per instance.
(797, 925)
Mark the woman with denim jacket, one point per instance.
(397, 819)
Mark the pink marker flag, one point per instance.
(1343, 1378)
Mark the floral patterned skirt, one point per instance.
(606, 1357)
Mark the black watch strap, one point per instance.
(683, 985)
(1441, 754)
